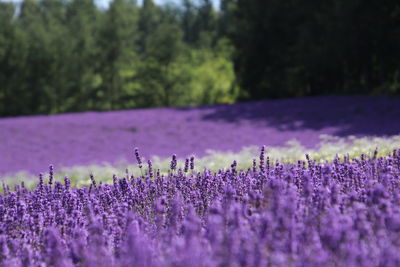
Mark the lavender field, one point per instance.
(344, 213)
(32, 143)
(339, 206)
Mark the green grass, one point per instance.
(328, 148)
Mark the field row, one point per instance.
(293, 151)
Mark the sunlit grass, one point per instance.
(293, 151)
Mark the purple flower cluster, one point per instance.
(344, 213)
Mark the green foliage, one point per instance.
(9, 57)
(82, 64)
(296, 48)
(199, 23)
(191, 77)
(212, 76)
(118, 50)
(62, 56)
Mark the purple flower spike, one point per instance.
(138, 159)
(51, 172)
(150, 165)
(262, 157)
(40, 180)
(173, 162)
(192, 163)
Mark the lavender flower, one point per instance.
(51, 172)
(262, 166)
(173, 162)
(138, 159)
(192, 163)
(40, 181)
(150, 165)
(186, 165)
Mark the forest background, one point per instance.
(69, 56)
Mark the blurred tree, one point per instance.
(207, 24)
(149, 19)
(265, 36)
(36, 61)
(188, 23)
(11, 61)
(83, 63)
(158, 74)
(313, 47)
(212, 77)
(57, 52)
(199, 23)
(226, 26)
(118, 43)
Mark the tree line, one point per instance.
(63, 56)
(312, 47)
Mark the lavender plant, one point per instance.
(344, 213)
(99, 138)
